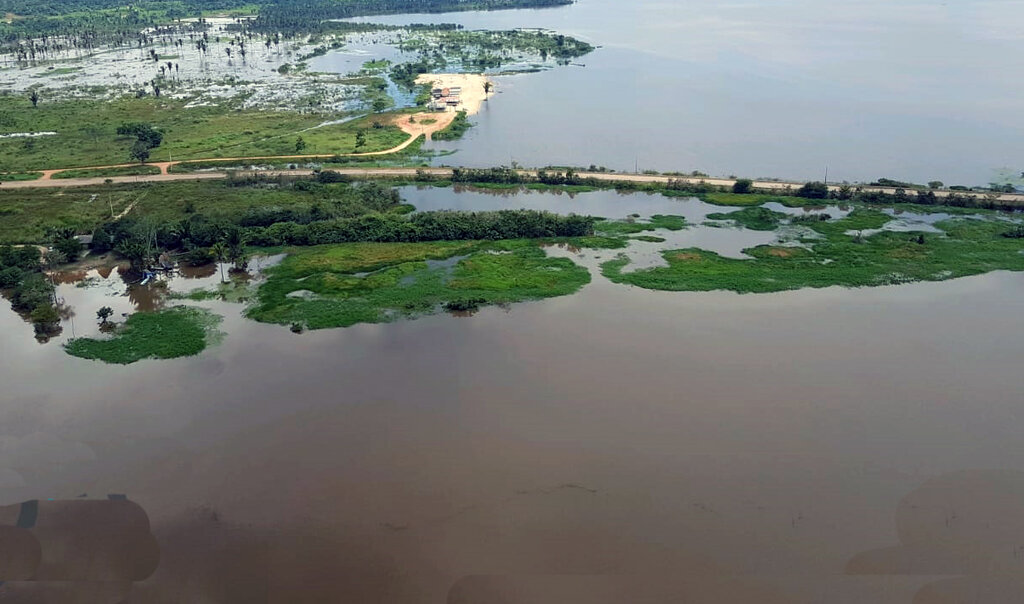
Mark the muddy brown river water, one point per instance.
(617, 445)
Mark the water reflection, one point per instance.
(968, 524)
(82, 292)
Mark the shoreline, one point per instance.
(472, 95)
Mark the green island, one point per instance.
(838, 253)
(755, 218)
(166, 334)
(339, 286)
(632, 226)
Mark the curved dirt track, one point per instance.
(408, 124)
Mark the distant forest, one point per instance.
(329, 9)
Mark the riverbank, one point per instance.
(720, 186)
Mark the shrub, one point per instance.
(330, 176)
(742, 186)
(1016, 232)
(813, 190)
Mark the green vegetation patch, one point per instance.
(88, 132)
(455, 130)
(342, 285)
(27, 215)
(167, 334)
(748, 199)
(20, 176)
(968, 246)
(140, 170)
(754, 218)
(629, 227)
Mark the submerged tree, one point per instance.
(220, 253)
(104, 313)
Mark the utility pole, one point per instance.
(826, 175)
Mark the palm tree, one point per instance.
(136, 251)
(220, 253)
(487, 88)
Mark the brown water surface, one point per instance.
(616, 445)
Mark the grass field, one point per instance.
(20, 176)
(166, 334)
(139, 170)
(967, 246)
(342, 285)
(26, 214)
(87, 132)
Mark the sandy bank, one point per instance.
(472, 85)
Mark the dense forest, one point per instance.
(329, 8)
(30, 29)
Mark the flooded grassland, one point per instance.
(216, 88)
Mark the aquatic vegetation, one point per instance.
(166, 334)
(721, 198)
(628, 227)
(754, 218)
(342, 285)
(842, 256)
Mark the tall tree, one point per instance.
(220, 253)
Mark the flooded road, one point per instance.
(618, 444)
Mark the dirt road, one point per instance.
(1015, 198)
(415, 125)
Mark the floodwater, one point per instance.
(765, 89)
(617, 445)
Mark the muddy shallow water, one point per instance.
(615, 445)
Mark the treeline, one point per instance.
(30, 292)
(510, 176)
(140, 241)
(85, 24)
(426, 226)
(681, 186)
(285, 15)
(340, 213)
